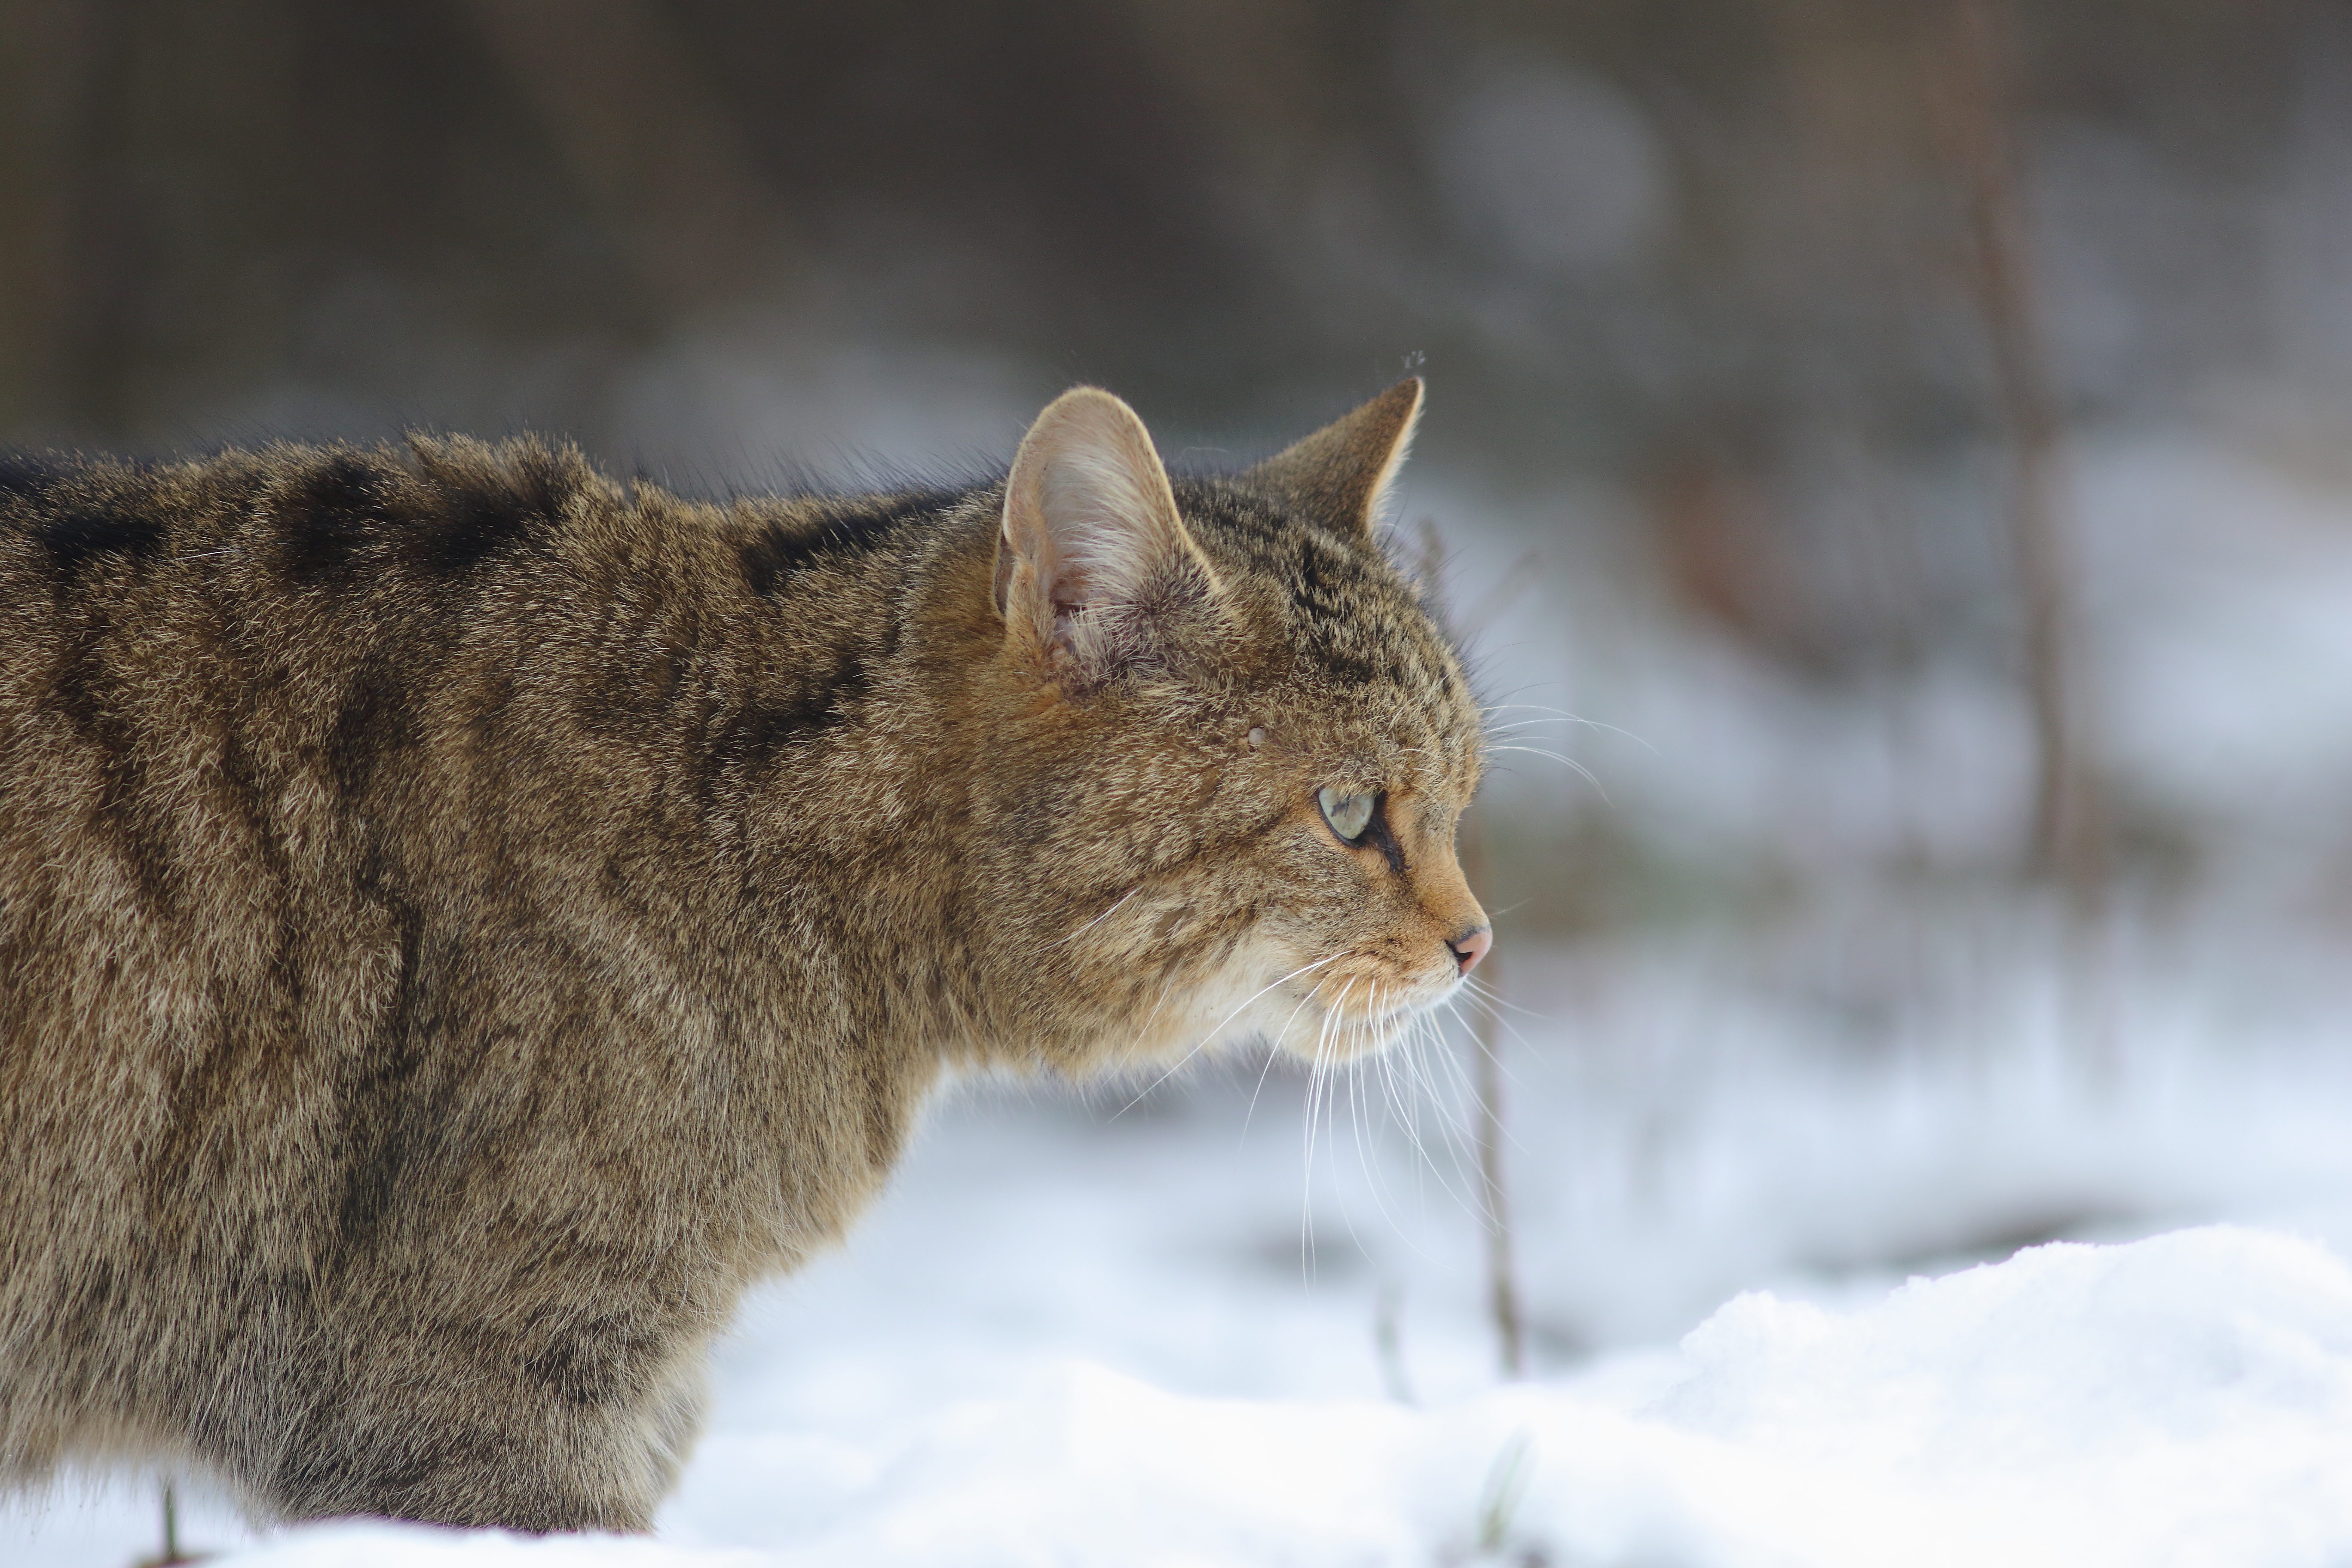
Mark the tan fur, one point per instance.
(462, 921)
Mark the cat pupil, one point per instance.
(1349, 815)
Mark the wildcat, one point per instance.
(462, 920)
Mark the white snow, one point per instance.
(2186, 1399)
(1073, 1338)
(2182, 1399)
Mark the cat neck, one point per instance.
(868, 779)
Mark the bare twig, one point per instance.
(1506, 1483)
(1486, 1073)
(172, 1556)
(2069, 840)
(1388, 1342)
(1486, 1079)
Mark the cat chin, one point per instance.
(1327, 1038)
(1355, 1041)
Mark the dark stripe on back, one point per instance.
(327, 520)
(85, 528)
(482, 515)
(822, 700)
(380, 1127)
(25, 479)
(780, 550)
(374, 721)
(82, 690)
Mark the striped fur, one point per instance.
(463, 919)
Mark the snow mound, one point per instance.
(2183, 1400)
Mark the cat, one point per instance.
(463, 919)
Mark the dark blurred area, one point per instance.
(1663, 238)
(1713, 294)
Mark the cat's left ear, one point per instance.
(1342, 472)
(1095, 569)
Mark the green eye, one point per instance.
(1349, 815)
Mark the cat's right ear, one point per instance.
(1343, 472)
(1095, 569)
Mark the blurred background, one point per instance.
(1892, 461)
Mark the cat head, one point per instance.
(1245, 743)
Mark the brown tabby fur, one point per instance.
(462, 920)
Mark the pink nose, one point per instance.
(1470, 949)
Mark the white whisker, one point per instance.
(1563, 716)
(1203, 1043)
(1277, 1051)
(1095, 922)
(1568, 762)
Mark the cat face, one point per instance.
(1266, 705)
(1357, 932)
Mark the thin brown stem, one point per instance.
(1487, 1071)
(2069, 840)
(1502, 1275)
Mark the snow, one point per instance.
(2185, 1399)
(2075, 1404)
(1070, 1335)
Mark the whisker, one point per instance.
(1356, 1118)
(1507, 1028)
(1570, 763)
(1420, 1074)
(1504, 1070)
(1203, 1042)
(1493, 998)
(1563, 715)
(1269, 1061)
(1318, 1088)
(1453, 1174)
(1094, 923)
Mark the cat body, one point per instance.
(462, 920)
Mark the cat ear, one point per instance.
(1094, 564)
(1342, 472)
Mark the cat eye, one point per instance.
(1348, 814)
